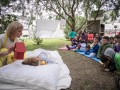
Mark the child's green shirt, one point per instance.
(102, 49)
(117, 61)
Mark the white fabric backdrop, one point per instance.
(49, 29)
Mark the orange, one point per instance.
(43, 62)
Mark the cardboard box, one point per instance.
(90, 37)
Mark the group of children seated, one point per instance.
(107, 50)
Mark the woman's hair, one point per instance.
(31, 61)
(13, 27)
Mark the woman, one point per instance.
(8, 39)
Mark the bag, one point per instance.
(6, 59)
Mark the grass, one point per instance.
(49, 44)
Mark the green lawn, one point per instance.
(49, 44)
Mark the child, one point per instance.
(111, 60)
(112, 41)
(34, 61)
(95, 47)
(81, 47)
(117, 45)
(87, 52)
(74, 44)
(103, 47)
(72, 34)
(75, 41)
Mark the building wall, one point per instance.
(96, 27)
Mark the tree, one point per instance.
(114, 13)
(79, 21)
(92, 9)
(5, 18)
(65, 9)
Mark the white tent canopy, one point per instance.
(49, 28)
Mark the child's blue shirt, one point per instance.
(88, 52)
(95, 48)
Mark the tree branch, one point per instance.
(54, 10)
(62, 6)
(95, 16)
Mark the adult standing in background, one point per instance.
(72, 34)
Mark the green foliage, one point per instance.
(67, 29)
(32, 18)
(37, 40)
(98, 3)
(96, 13)
(105, 18)
(6, 19)
(58, 17)
(113, 16)
(79, 20)
(4, 2)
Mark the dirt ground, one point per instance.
(87, 74)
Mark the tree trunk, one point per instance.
(71, 23)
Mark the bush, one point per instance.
(37, 40)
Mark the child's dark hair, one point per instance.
(96, 38)
(88, 46)
(111, 38)
(117, 36)
(103, 58)
(83, 33)
(108, 63)
(82, 41)
(106, 37)
(72, 29)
